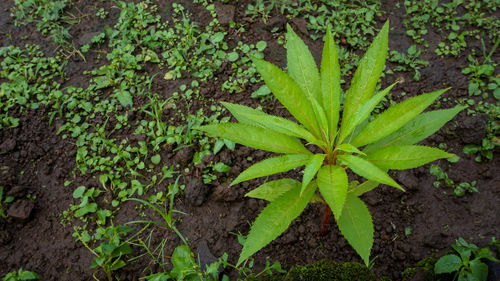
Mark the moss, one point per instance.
(427, 263)
(408, 273)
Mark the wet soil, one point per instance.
(35, 162)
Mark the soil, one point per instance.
(35, 161)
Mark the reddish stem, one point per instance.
(326, 220)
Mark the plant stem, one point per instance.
(326, 220)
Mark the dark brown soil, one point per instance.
(34, 160)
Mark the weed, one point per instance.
(467, 265)
(20, 275)
(409, 61)
(459, 190)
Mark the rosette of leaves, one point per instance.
(368, 148)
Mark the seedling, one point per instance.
(20, 275)
(369, 149)
(467, 265)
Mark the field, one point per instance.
(103, 171)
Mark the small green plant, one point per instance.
(459, 190)
(467, 265)
(20, 275)
(8, 199)
(408, 62)
(313, 98)
(110, 254)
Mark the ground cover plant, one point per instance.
(104, 175)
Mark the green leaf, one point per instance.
(367, 74)
(248, 115)
(273, 189)
(286, 90)
(311, 169)
(362, 113)
(256, 137)
(330, 83)
(155, 159)
(364, 187)
(27, 275)
(275, 219)
(357, 227)
(394, 118)
(479, 270)
(367, 170)
(349, 148)
(301, 65)
(332, 183)
(447, 264)
(78, 192)
(417, 129)
(402, 157)
(271, 166)
(125, 98)
(321, 119)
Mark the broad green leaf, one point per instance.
(418, 129)
(332, 183)
(447, 264)
(364, 188)
(273, 165)
(479, 270)
(256, 137)
(273, 189)
(321, 118)
(367, 170)
(367, 74)
(347, 147)
(394, 118)
(248, 115)
(402, 157)
(362, 113)
(311, 169)
(286, 90)
(330, 83)
(301, 65)
(275, 219)
(357, 227)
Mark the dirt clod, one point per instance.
(21, 209)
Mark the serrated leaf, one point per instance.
(417, 129)
(447, 264)
(367, 170)
(402, 157)
(256, 137)
(311, 169)
(364, 187)
(286, 90)
(271, 166)
(330, 83)
(479, 270)
(362, 113)
(275, 219)
(394, 118)
(273, 189)
(357, 227)
(367, 74)
(248, 115)
(301, 65)
(332, 183)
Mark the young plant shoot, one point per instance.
(368, 148)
